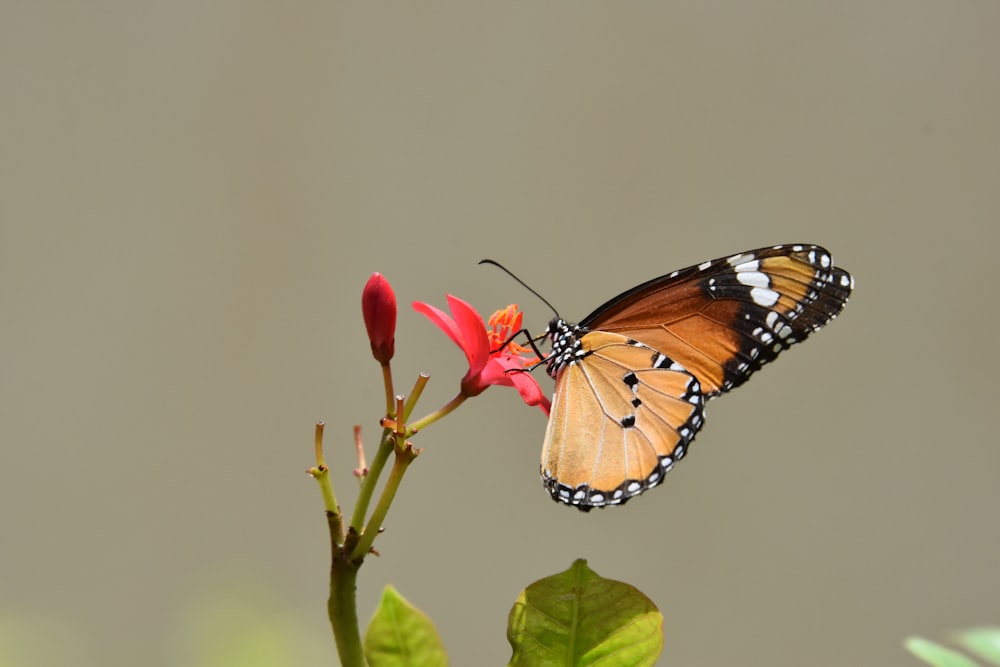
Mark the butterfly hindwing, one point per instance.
(622, 415)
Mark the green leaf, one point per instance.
(984, 642)
(577, 618)
(935, 654)
(400, 635)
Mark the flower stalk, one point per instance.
(321, 473)
(387, 386)
(418, 389)
(362, 470)
(444, 410)
(371, 479)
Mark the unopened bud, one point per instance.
(378, 305)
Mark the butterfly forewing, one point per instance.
(723, 319)
(622, 414)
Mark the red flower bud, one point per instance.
(378, 305)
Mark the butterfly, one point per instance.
(632, 378)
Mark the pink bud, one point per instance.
(378, 305)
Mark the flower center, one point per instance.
(502, 325)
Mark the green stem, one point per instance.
(322, 477)
(321, 473)
(368, 485)
(389, 394)
(411, 400)
(404, 456)
(342, 605)
(424, 422)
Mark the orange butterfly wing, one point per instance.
(620, 419)
(632, 378)
(724, 319)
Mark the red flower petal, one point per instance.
(477, 344)
(486, 367)
(443, 322)
(509, 371)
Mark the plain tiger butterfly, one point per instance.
(632, 378)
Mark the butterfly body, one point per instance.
(632, 377)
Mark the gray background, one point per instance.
(193, 195)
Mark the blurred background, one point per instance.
(194, 194)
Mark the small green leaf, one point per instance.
(576, 618)
(984, 642)
(935, 654)
(400, 635)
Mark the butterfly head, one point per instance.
(566, 347)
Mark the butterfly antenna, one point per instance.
(523, 284)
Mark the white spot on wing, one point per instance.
(753, 278)
(704, 265)
(764, 297)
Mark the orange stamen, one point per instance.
(503, 324)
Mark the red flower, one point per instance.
(487, 364)
(378, 305)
